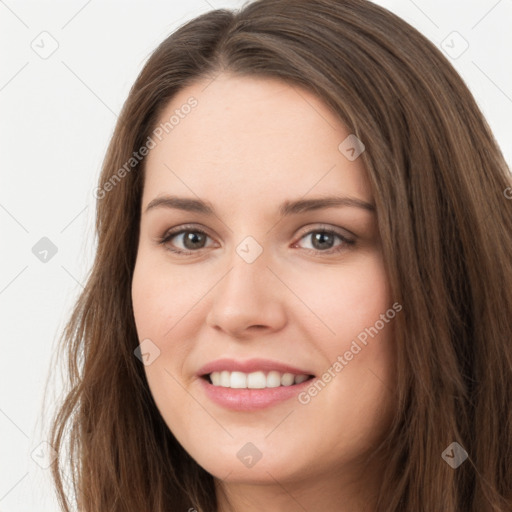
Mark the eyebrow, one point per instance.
(287, 208)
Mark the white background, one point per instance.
(57, 115)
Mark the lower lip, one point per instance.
(251, 399)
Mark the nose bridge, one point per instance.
(247, 282)
(246, 296)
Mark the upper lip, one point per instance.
(249, 366)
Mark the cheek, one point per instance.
(161, 296)
(346, 299)
(163, 306)
(354, 326)
(167, 305)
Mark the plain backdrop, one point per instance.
(66, 69)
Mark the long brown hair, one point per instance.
(439, 182)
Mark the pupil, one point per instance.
(321, 237)
(193, 238)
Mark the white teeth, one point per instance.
(238, 380)
(255, 380)
(225, 378)
(273, 379)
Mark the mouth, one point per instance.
(255, 380)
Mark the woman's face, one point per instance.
(266, 274)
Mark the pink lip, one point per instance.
(248, 366)
(250, 399)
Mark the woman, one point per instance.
(221, 357)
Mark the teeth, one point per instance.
(255, 380)
(300, 378)
(238, 380)
(273, 379)
(225, 378)
(287, 379)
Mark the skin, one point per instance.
(249, 145)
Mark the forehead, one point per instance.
(250, 139)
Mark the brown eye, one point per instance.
(324, 241)
(190, 240)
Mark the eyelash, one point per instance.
(168, 236)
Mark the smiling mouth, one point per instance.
(254, 380)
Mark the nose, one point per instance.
(248, 300)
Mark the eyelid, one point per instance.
(327, 227)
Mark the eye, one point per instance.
(193, 239)
(323, 240)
